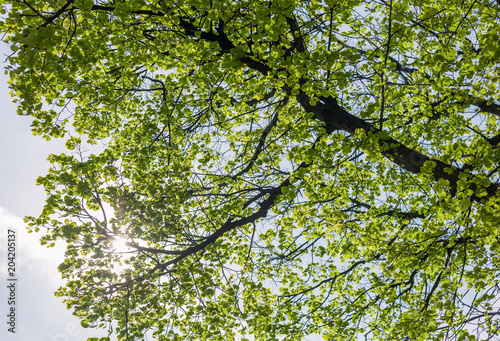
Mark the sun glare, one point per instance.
(120, 245)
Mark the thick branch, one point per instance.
(335, 117)
(494, 141)
(53, 17)
(492, 108)
(229, 225)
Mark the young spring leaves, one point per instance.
(278, 169)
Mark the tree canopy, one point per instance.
(279, 170)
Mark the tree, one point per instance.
(278, 169)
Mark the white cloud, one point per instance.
(27, 244)
(40, 316)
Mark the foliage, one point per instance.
(278, 168)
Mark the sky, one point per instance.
(40, 316)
